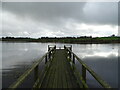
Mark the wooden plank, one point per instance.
(21, 79)
(84, 73)
(36, 73)
(68, 77)
(69, 84)
(46, 79)
(55, 74)
(36, 84)
(64, 81)
(60, 74)
(98, 78)
(44, 82)
(73, 80)
(43, 79)
(55, 81)
(51, 78)
(79, 78)
(60, 69)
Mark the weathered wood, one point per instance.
(36, 84)
(64, 75)
(73, 59)
(60, 71)
(46, 59)
(84, 73)
(44, 74)
(27, 73)
(98, 78)
(48, 48)
(70, 54)
(36, 73)
(49, 54)
(78, 76)
(51, 78)
(60, 74)
(71, 47)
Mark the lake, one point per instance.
(18, 57)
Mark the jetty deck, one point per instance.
(60, 74)
(60, 71)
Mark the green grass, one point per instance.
(68, 40)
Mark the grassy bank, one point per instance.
(81, 40)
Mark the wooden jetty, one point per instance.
(60, 71)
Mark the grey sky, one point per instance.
(36, 19)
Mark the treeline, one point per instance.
(65, 37)
(81, 39)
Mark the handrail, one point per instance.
(98, 78)
(49, 55)
(24, 75)
(79, 76)
(38, 81)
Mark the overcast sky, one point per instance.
(59, 19)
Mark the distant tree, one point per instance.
(113, 35)
(90, 36)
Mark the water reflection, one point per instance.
(105, 67)
(103, 50)
(20, 53)
(102, 58)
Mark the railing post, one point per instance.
(70, 54)
(55, 47)
(45, 59)
(65, 47)
(71, 48)
(49, 54)
(84, 73)
(36, 73)
(48, 48)
(73, 58)
(52, 53)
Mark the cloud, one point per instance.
(99, 12)
(36, 19)
(52, 13)
(102, 13)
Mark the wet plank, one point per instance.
(60, 74)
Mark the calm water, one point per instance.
(102, 58)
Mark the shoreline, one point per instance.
(104, 42)
(71, 40)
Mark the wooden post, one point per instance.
(71, 48)
(49, 54)
(73, 58)
(36, 73)
(70, 54)
(52, 54)
(48, 48)
(55, 47)
(45, 59)
(64, 46)
(84, 73)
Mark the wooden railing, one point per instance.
(81, 78)
(34, 68)
(72, 57)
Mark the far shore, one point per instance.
(71, 40)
